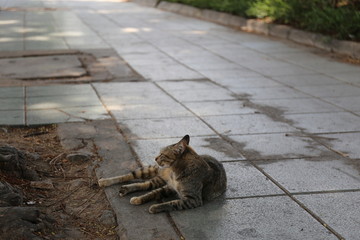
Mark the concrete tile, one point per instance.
(280, 146)
(349, 103)
(116, 101)
(269, 93)
(214, 94)
(301, 175)
(49, 116)
(11, 92)
(164, 128)
(299, 105)
(247, 82)
(282, 70)
(161, 72)
(59, 90)
(148, 149)
(217, 75)
(125, 87)
(87, 113)
(65, 101)
(307, 80)
(246, 124)
(250, 219)
(12, 117)
(244, 180)
(342, 90)
(337, 209)
(149, 110)
(44, 43)
(345, 142)
(187, 85)
(11, 103)
(17, 45)
(326, 122)
(350, 77)
(211, 108)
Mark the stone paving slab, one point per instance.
(280, 146)
(349, 103)
(50, 104)
(252, 184)
(300, 105)
(338, 210)
(211, 108)
(304, 175)
(250, 219)
(164, 127)
(326, 122)
(347, 143)
(46, 67)
(246, 124)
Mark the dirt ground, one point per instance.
(71, 196)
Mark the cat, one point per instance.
(180, 172)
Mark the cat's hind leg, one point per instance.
(153, 195)
(179, 204)
(153, 183)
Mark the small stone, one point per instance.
(79, 157)
(108, 218)
(46, 184)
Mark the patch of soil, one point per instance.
(66, 190)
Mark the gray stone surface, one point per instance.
(210, 108)
(338, 210)
(246, 124)
(280, 146)
(347, 143)
(245, 181)
(259, 218)
(326, 122)
(165, 127)
(301, 175)
(299, 105)
(41, 67)
(12, 117)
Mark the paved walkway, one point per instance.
(283, 120)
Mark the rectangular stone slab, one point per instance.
(41, 67)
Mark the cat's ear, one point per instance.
(180, 147)
(186, 139)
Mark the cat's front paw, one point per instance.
(123, 191)
(135, 201)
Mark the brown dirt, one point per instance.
(76, 202)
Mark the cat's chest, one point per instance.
(173, 183)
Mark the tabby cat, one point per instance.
(180, 172)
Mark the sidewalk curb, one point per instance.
(327, 43)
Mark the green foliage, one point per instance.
(338, 18)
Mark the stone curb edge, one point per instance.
(327, 43)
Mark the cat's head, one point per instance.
(169, 154)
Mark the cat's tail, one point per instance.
(140, 173)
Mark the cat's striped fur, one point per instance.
(182, 172)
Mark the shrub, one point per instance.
(338, 18)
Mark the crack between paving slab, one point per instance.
(137, 159)
(295, 194)
(25, 105)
